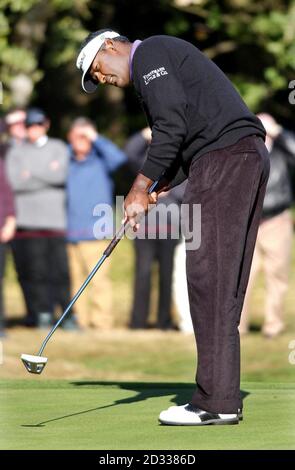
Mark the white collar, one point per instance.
(41, 141)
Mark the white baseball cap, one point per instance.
(86, 57)
(15, 117)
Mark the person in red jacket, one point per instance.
(7, 229)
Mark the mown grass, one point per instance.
(145, 355)
(106, 389)
(123, 415)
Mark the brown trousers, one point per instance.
(94, 306)
(230, 186)
(273, 255)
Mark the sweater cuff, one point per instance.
(151, 170)
(179, 178)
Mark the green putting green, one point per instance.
(56, 414)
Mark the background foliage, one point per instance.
(253, 42)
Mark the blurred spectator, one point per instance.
(274, 240)
(15, 122)
(17, 133)
(179, 288)
(93, 160)
(37, 172)
(150, 247)
(7, 229)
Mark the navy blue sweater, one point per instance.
(191, 106)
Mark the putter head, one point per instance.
(34, 364)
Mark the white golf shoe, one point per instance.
(240, 412)
(188, 415)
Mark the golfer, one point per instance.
(203, 131)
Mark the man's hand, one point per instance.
(147, 134)
(273, 129)
(89, 132)
(54, 165)
(25, 174)
(8, 230)
(138, 202)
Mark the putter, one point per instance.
(36, 364)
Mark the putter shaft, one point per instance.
(119, 235)
(77, 295)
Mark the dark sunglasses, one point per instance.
(40, 124)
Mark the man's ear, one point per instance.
(109, 44)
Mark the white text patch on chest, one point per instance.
(156, 73)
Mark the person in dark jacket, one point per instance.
(148, 250)
(7, 228)
(203, 131)
(15, 121)
(275, 234)
(37, 171)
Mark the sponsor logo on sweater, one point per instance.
(156, 73)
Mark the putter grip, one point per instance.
(119, 235)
